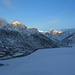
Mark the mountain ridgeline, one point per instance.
(64, 38)
(18, 40)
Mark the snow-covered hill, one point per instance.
(57, 61)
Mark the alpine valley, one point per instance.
(17, 40)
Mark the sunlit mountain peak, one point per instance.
(16, 23)
(55, 31)
(43, 31)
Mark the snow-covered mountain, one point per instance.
(69, 40)
(17, 26)
(17, 38)
(61, 36)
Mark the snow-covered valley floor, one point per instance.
(56, 61)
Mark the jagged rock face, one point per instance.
(12, 42)
(13, 39)
(43, 42)
(69, 40)
(4, 24)
(30, 31)
(38, 40)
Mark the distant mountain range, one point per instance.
(64, 37)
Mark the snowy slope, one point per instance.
(70, 40)
(57, 61)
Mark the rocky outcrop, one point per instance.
(4, 24)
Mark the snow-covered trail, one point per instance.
(57, 61)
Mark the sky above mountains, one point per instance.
(40, 14)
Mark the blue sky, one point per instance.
(40, 14)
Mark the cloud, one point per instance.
(8, 4)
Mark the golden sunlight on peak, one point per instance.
(42, 31)
(16, 23)
(56, 31)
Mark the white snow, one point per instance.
(55, 61)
